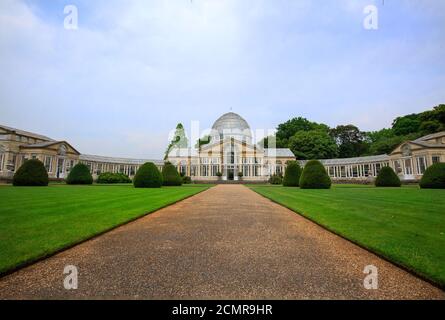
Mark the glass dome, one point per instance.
(231, 125)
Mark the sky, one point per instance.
(133, 69)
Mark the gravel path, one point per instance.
(227, 242)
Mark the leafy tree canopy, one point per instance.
(350, 140)
(313, 144)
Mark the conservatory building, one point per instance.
(229, 155)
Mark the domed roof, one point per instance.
(230, 120)
(231, 125)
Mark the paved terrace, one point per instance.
(227, 242)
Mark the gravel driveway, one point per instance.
(227, 242)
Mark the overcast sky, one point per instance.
(133, 69)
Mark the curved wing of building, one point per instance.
(230, 155)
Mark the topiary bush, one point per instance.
(31, 173)
(434, 177)
(170, 175)
(314, 176)
(79, 174)
(109, 177)
(275, 179)
(292, 174)
(148, 176)
(387, 178)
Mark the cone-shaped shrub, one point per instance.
(148, 176)
(387, 178)
(314, 176)
(292, 174)
(170, 175)
(434, 177)
(31, 173)
(79, 174)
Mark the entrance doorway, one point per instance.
(60, 168)
(230, 174)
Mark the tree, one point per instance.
(314, 176)
(434, 177)
(314, 144)
(79, 174)
(431, 126)
(179, 140)
(288, 129)
(148, 176)
(350, 140)
(31, 173)
(170, 175)
(387, 178)
(406, 124)
(292, 174)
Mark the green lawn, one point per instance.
(406, 225)
(37, 221)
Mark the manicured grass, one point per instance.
(406, 225)
(37, 221)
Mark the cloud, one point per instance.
(134, 69)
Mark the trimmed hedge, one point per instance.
(79, 174)
(109, 177)
(148, 176)
(170, 175)
(275, 179)
(31, 173)
(387, 178)
(292, 174)
(186, 180)
(434, 177)
(314, 176)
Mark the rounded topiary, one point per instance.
(31, 173)
(79, 174)
(314, 176)
(292, 174)
(170, 175)
(148, 176)
(434, 177)
(387, 178)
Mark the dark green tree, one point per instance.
(170, 175)
(314, 176)
(406, 124)
(31, 173)
(292, 174)
(313, 144)
(350, 140)
(387, 178)
(79, 174)
(434, 177)
(288, 129)
(148, 176)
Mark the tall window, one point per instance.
(421, 165)
(48, 164)
(436, 159)
(2, 157)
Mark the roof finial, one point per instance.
(230, 108)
